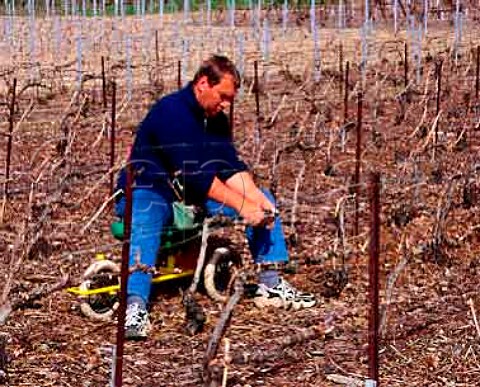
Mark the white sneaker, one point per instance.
(283, 295)
(137, 323)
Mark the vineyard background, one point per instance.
(302, 143)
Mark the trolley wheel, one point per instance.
(100, 306)
(219, 273)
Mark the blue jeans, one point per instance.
(151, 213)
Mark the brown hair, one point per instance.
(214, 68)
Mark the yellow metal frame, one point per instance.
(115, 288)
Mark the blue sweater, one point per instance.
(176, 136)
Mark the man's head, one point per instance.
(215, 84)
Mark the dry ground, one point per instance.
(430, 338)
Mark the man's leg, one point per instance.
(150, 213)
(268, 246)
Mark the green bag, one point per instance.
(183, 216)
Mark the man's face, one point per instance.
(215, 98)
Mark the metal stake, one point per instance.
(179, 74)
(439, 92)
(112, 136)
(124, 278)
(345, 97)
(10, 137)
(104, 85)
(358, 157)
(373, 277)
(256, 88)
(477, 74)
(405, 64)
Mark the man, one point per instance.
(187, 133)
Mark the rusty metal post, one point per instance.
(179, 74)
(477, 74)
(340, 67)
(374, 277)
(405, 64)
(439, 93)
(231, 117)
(104, 85)
(10, 137)
(124, 278)
(358, 157)
(345, 98)
(157, 54)
(112, 136)
(256, 88)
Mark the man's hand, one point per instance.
(252, 213)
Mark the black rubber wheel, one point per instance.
(222, 263)
(100, 306)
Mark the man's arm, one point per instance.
(250, 210)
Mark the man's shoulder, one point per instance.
(170, 105)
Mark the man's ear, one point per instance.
(203, 83)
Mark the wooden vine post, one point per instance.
(374, 279)
(118, 370)
(112, 137)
